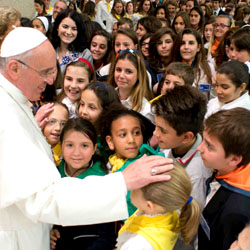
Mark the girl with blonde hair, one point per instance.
(156, 223)
(128, 74)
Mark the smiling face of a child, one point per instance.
(53, 129)
(126, 137)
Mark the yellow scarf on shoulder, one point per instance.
(57, 151)
(116, 162)
(161, 231)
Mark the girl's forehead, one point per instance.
(126, 118)
(189, 37)
(126, 62)
(123, 37)
(77, 134)
(89, 95)
(58, 110)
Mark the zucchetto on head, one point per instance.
(20, 40)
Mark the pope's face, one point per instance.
(40, 71)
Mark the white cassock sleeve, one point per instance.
(32, 193)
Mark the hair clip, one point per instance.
(132, 51)
(190, 200)
(85, 61)
(101, 85)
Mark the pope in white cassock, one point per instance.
(32, 194)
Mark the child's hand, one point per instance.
(155, 87)
(54, 235)
(42, 113)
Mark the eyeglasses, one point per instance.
(53, 122)
(45, 75)
(221, 25)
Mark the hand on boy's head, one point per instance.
(42, 114)
(139, 173)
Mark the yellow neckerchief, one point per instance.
(161, 231)
(108, 6)
(57, 152)
(156, 98)
(50, 9)
(117, 17)
(116, 162)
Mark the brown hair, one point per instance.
(141, 87)
(220, 54)
(154, 58)
(150, 23)
(82, 64)
(183, 107)
(179, 69)
(125, 20)
(185, 17)
(113, 13)
(173, 195)
(200, 58)
(232, 129)
(172, 2)
(130, 33)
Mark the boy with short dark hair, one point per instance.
(225, 148)
(124, 23)
(178, 118)
(176, 74)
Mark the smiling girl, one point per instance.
(189, 49)
(68, 38)
(128, 74)
(53, 129)
(77, 75)
(232, 79)
(100, 48)
(96, 98)
(123, 39)
(125, 131)
(79, 142)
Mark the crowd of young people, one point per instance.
(164, 78)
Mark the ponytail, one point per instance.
(189, 220)
(175, 194)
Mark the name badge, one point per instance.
(204, 87)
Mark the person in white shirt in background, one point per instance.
(103, 9)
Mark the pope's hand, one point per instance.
(42, 114)
(142, 172)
